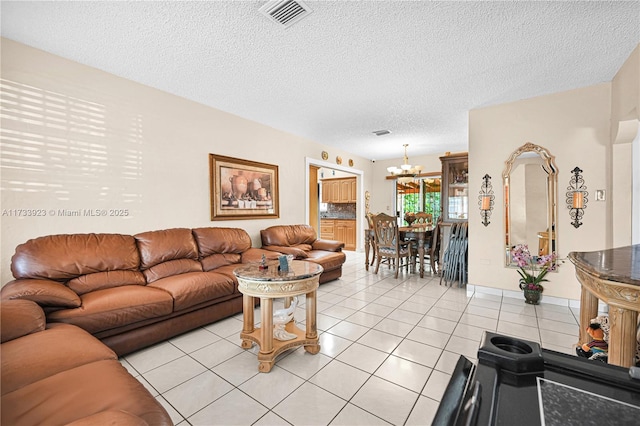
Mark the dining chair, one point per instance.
(388, 243)
(434, 250)
(423, 218)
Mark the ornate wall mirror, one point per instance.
(530, 198)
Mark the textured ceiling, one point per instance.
(351, 67)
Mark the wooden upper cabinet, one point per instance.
(340, 190)
(345, 191)
(354, 191)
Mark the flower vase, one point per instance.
(532, 297)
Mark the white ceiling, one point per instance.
(349, 68)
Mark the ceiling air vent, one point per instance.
(285, 12)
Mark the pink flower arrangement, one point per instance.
(529, 265)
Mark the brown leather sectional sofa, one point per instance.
(62, 375)
(131, 291)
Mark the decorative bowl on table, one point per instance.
(410, 218)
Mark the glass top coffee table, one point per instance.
(269, 284)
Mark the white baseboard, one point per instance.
(571, 303)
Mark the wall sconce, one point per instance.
(485, 200)
(577, 197)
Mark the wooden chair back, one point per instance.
(388, 244)
(423, 218)
(386, 232)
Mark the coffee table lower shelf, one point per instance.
(267, 359)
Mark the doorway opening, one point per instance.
(342, 216)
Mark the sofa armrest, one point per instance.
(43, 292)
(253, 255)
(328, 245)
(296, 252)
(19, 318)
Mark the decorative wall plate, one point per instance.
(325, 155)
(339, 159)
(350, 162)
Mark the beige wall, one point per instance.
(74, 137)
(574, 127)
(592, 128)
(625, 113)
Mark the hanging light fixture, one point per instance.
(406, 172)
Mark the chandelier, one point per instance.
(406, 172)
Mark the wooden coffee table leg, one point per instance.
(248, 322)
(266, 328)
(312, 326)
(266, 356)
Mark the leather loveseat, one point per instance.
(61, 375)
(131, 291)
(302, 242)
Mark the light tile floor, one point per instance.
(388, 347)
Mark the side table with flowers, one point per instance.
(532, 270)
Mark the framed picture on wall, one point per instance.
(242, 189)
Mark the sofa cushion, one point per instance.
(327, 259)
(81, 392)
(215, 261)
(221, 240)
(194, 288)
(43, 292)
(99, 280)
(227, 271)
(288, 235)
(221, 246)
(116, 307)
(165, 245)
(293, 251)
(64, 257)
(19, 318)
(170, 268)
(43, 354)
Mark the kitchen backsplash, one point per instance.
(340, 211)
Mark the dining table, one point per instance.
(420, 234)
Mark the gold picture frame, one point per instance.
(243, 189)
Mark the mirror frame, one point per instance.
(550, 168)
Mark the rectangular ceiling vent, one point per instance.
(285, 12)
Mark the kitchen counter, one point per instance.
(337, 217)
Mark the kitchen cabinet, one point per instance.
(340, 230)
(330, 190)
(339, 190)
(327, 227)
(354, 190)
(345, 231)
(455, 187)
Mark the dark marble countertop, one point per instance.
(620, 264)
